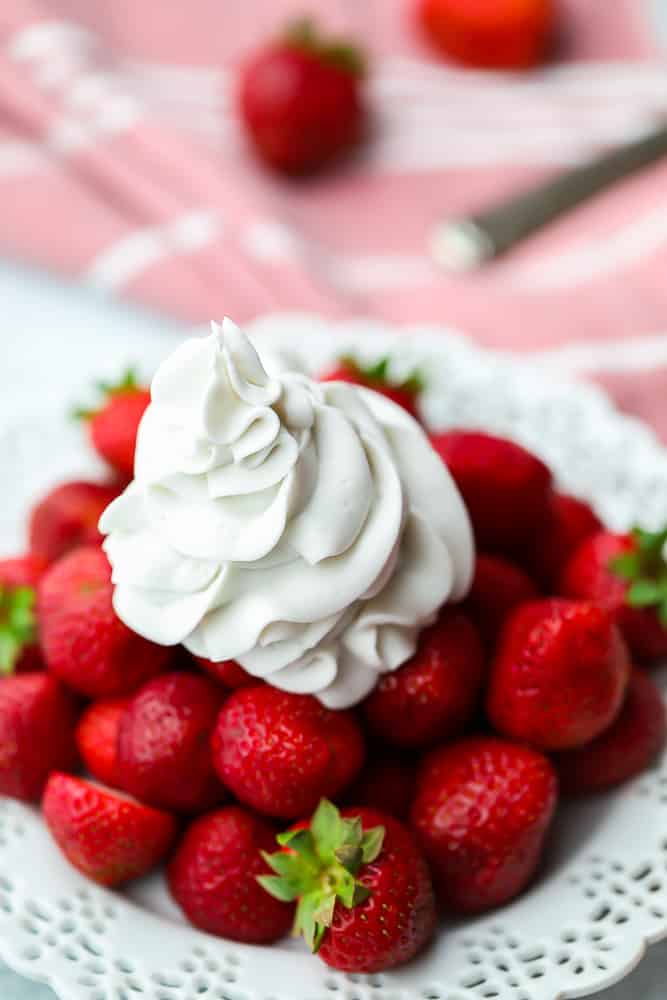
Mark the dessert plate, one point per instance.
(601, 897)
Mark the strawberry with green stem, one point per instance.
(113, 425)
(365, 899)
(404, 392)
(19, 651)
(627, 573)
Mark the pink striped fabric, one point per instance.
(122, 164)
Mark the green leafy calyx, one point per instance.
(378, 374)
(644, 567)
(17, 624)
(128, 382)
(319, 867)
(303, 34)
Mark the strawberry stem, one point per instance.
(645, 570)
(303, 34)
(17, 625)
(379, 370)
(127, 382)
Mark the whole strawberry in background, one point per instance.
(365, 899)
(67, 517)
(213, 876)
(97, 738)
(404, 392)
(113, 425)
(19, 649)
(490, 34)
(84, 642)
(481, 814)
(559, 675)
(627, 574)
(300, 100)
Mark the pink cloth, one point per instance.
(121, 163)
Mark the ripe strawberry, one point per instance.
(432, 697)
(365, 896)
(105, 834)
(376, 376)
(84, 643)
(97, 738)
(227, 672)
(164, 737)
(387, 784)
(481, 814)
(37, 719)
(68, 517)
(622, 751)
(497, 588)
(213, 878)
(19, 649)
(300, 100)
(506, 489)
(502, 34)
(279, 753)
(559, 675)
(569, 522)
(113, 426)
(628, 575)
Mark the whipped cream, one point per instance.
(306, 530)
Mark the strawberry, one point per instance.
(164, 754)
(559, 675)
(84, 642)
(106, 835)
(404, 393)
(113, 425)
(68, 517)
(19, 649)
(481, 814)
(37, 720)
(497, 588)
(433, 696)
(628, 575)
(213, 878)
(569, 522)
(387, 784)
(280, 753)
(97, 738)
(300, 100)
(506, 489)
(365, 899)
(227, 672)
(490, 34)
(622, 751)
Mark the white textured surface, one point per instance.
(601, 898)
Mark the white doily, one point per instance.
(601, 897)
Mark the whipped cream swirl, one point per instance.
(306, 530)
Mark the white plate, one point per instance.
(601, 897)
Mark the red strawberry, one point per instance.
(114, 424)
(19, 649)
(37, 720)
(559, 675)
(365, 896)
(628, 575)
(497, 588)
(227, 672)
(501, 34)
(68, 517)
(376, 376)
(97, 738)
(622, 751)
(164, 753)
(433, 696)
(105, 834)
(213, 878)
(84, 643)
(569, 522)
(300, 100)
(279, 753)
(506, 489)
(482, 811)
(386, 784)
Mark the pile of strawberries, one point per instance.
(435, 794)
